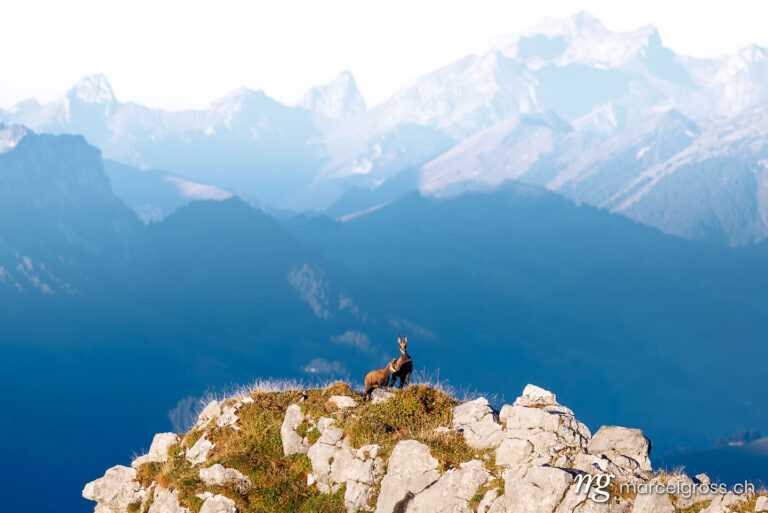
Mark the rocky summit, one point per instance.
(416, 450)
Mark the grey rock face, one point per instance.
(513, 451)
(211, 411)
(488, 499)
(410, 470)
(453, 491)
(550, 428)
(627, 448)
(539, 490)
(228, 417)
(166, 501)
(380, 395)
(653, 503)
(218, 474)
(475, 419)
(218, 504)
(158, 451)
(116, 490)
(292, 442)
(198, 453)
(536, 396)
(342, 401)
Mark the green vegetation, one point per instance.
(279, 483)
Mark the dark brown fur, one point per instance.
(378, 378)
(403, 365)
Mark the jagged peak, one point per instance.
(93, 89)
(338, 98)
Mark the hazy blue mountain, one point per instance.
(153, 194)
(60, 225)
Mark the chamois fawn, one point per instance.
(378, 378)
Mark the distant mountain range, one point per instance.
(615, 120)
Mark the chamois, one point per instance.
(403, 365)
(378, 378)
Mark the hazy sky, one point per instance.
(179, 54)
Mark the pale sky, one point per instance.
(179, 54)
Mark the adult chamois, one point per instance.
(378, 378)
(403, 365)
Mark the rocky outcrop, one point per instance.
(218, 474)
(532, 456)
(116, 490)
(198, 453)
(166, 501)
(410, 470)
(627, 448)
(379, 395)
(335, 463)
(158, 451)
(218, 504)
(292, 442)
(476, 419)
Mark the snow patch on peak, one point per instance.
(93, 89)
(580, 38)
(10, 136)
(337, 99)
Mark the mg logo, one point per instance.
(598, 485)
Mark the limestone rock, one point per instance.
(761, 504)
(627, 448)
(513, 451)
(218, 504)
(292, 442)
(116, 489)
(166, 501)
(536, 397)
(198, 453)
(379, 395)
(218, 474)
(453, 491)
(552, 430)
(410, 470)
(653, 503)
(539, 490)
(488, 499)
(356, 496)
(158, 451)
(724, 503)
(211, 411)
(228, 417)
(342, 401)
(475, 420)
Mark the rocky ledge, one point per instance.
(412, 451)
